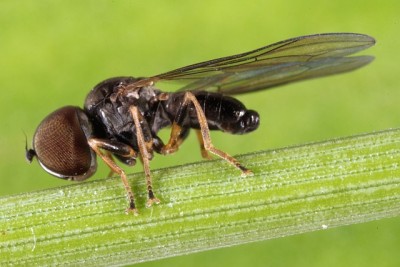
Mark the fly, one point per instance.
(122, 116)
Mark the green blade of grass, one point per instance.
(206, 205)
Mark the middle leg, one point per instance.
(144, 152)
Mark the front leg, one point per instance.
(120, 149)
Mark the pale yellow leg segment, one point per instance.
(144, 154)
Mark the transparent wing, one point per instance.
(287, 61)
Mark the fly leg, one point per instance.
(119, 149)
(144, 148)
(109, 155)
(178, 135)
(203, 150)
(204, 134)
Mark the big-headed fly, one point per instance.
(122, 116)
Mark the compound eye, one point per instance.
(60, 144)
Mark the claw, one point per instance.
(133, 211)
(152, 201)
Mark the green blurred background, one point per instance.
(53, 52)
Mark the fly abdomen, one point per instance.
(224, 113)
